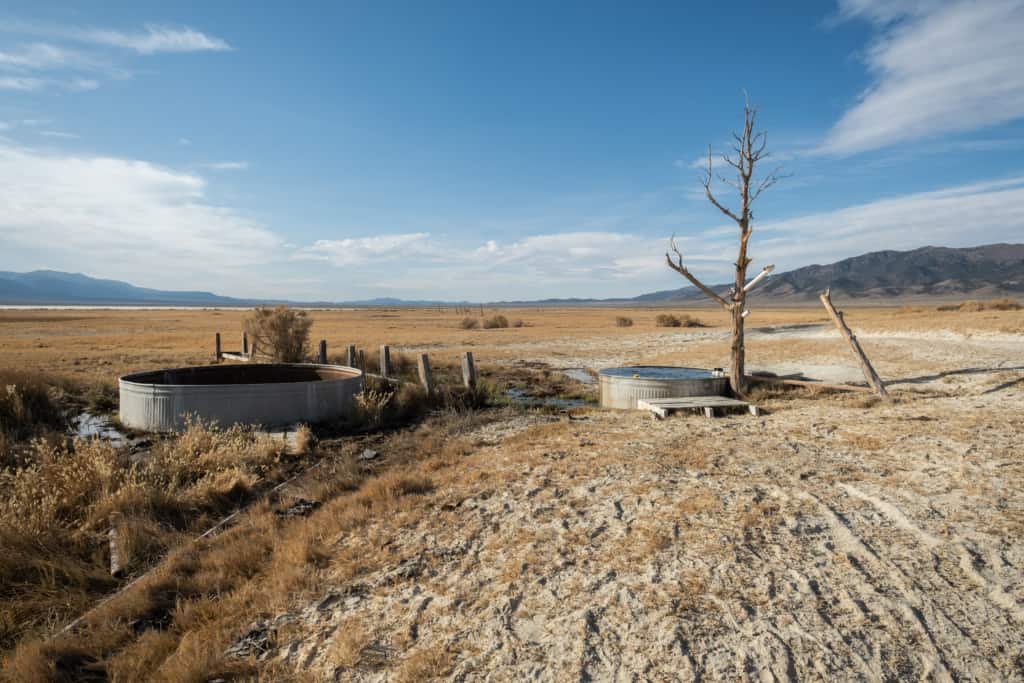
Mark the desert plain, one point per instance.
(834, 537)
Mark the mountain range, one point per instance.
(993, 270)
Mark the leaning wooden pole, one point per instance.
(865, 365)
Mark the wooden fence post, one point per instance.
(362, 361)
(425, 377)
(468, 370)
(865, 365)
(385, 360)
(323, 352)
(350, 356)
(217, 346)
(245, 344)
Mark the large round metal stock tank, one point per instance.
(264, 394)
(621, 387)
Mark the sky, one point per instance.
(494, 151)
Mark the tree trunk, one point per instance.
(737, 376)
(738, 355)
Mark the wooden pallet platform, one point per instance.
(661, 407)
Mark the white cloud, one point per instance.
(42, 56)
(885, 11)
(20, 83)
(121, 217)
(58, 134)
(82, 84)
(229, 165)
(938, 68)
(155, 226)
(964, 215)
(359, 251)
(421, 265)
(95, 52)
(152, 39)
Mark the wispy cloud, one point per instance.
(58, 134)
(148, 40)
(144, 222)
(76, 58)
(151, 39)
(229, 165)
(43, 56)
(21, 83)
(362, 251)
(123, 217)
(938, 68)
(962, 215)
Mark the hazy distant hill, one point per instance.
(979, 272)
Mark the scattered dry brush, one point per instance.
(279, 333)
(976, 306)
(684, 320)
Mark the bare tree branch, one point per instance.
(766, 182)
(750, 147)
(707, 190)
(678, 266)
(732, 183)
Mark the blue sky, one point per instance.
(493, 150)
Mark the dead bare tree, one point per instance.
(749, 149)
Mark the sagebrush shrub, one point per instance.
(667, 320)
(498, 321)
(280, 333)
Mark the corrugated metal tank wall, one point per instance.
(160, 401)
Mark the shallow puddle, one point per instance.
(580, 375)
(89, 426)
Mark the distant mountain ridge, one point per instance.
(56, 287)
(993, 270)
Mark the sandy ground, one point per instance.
(832, 538)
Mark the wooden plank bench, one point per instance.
(661, 407)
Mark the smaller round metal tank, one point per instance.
(264, 394)
(621, 387)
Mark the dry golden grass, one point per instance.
(973, 306)
(102, 344)
(201, 596)
(99, 345)
(55, 511)
(303, 439)
(350, 642)
(429, 664)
